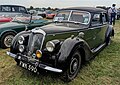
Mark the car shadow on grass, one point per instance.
(105, 48)
(44, 77)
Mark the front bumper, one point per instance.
(35, 62)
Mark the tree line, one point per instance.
(41, 9)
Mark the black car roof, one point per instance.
(89, 9)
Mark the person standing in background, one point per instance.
(112, 11)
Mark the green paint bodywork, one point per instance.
(18, 27)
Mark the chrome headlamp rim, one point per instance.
(50, 46)
(21, 39)
(21, 48)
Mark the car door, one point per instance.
(104, 28)
(84, 18)
(95, 30)
(98, 28)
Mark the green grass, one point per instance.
(104, 69)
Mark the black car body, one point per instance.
(75, 36)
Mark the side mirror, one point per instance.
(31, 13)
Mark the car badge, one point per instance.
(34, 55)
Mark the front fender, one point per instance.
(14, 48)
(69, 46)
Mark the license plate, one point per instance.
(28, 66)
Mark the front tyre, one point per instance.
(73, 67)
(6, 39)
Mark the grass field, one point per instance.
(104, 69)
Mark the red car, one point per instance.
(50, 14)
(5, 19)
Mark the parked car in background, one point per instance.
(38, 13)
(12, 10)
(118, 14)
(7, 12)
(41, 13)
(76, 35)
(18, 24)
(50, 14)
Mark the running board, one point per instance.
(98, 48)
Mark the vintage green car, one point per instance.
(19, 23)
(76, 35)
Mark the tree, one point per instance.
(31, 7)
(49, 8)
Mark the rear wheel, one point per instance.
(6, 39)
(73, 67)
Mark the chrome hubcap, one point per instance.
(8, 39)
(73, 66)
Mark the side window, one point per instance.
(22, 9)
(19, 9)
(6, 9)
(96, 20)
(15, 9)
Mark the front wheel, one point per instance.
(73, 67)
(6, 39)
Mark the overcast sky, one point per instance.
(61, 3)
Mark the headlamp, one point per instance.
(21, 48)
(21, 40)
(50, 46)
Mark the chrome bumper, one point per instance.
(11, 54)
(40, 65)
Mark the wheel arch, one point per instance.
(7, 32)
(69, 46)
(82, 53)
(110, 31)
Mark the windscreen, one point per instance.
(81, 17)
(62, 15)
